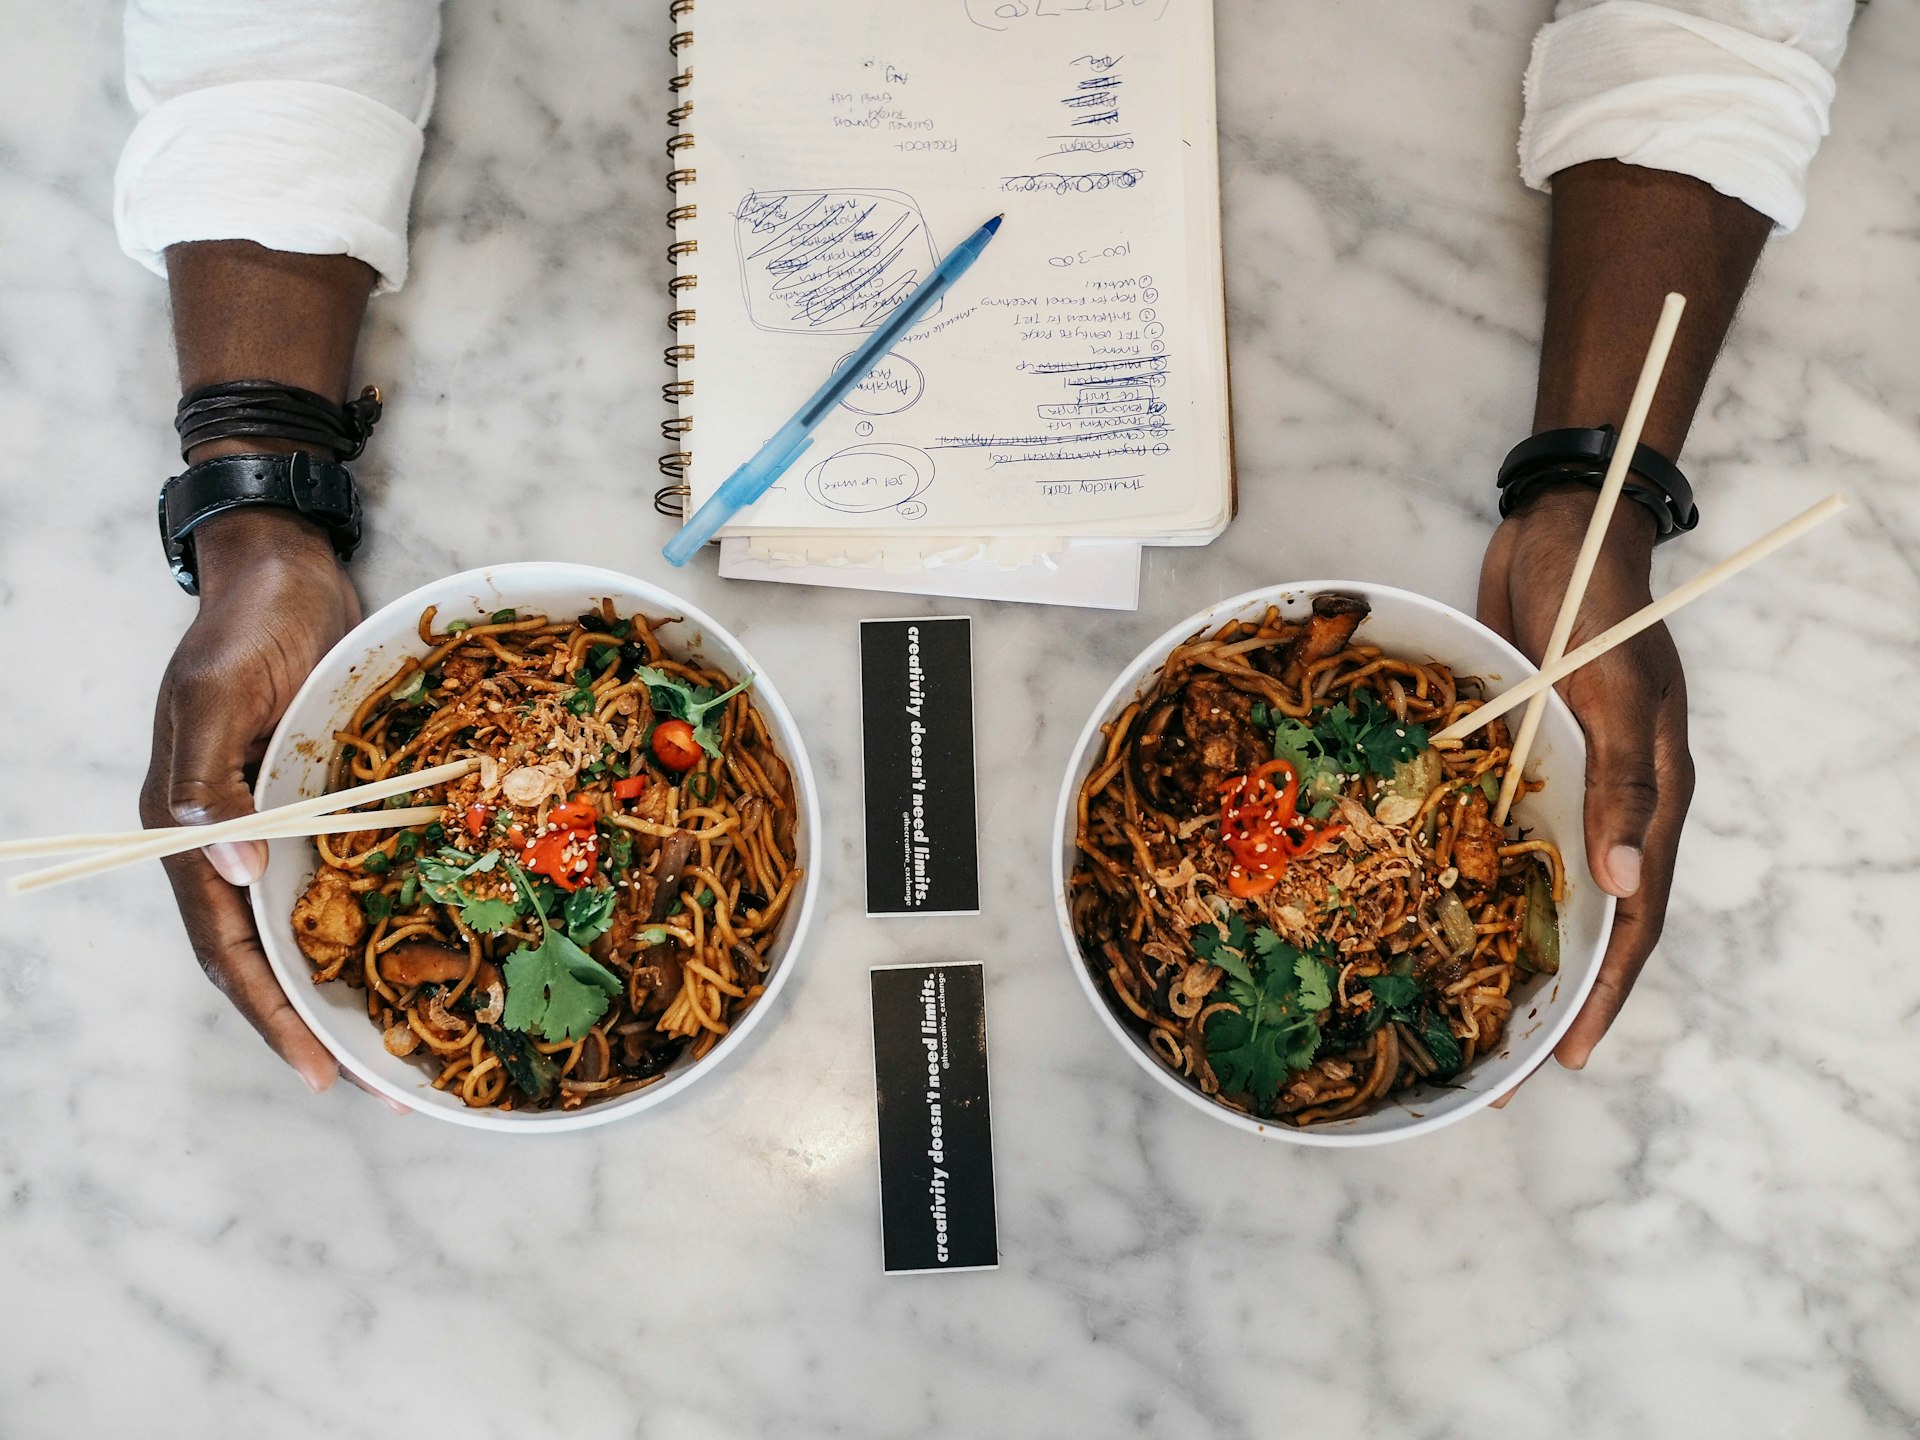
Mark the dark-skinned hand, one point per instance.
(273, 600)
(1632, 706)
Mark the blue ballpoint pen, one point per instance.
(772, 460)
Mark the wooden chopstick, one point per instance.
(244, 827)
(1610, 487)
(1549, 676)
(293, 830)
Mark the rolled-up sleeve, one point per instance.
(297, 127)
(1733, 92)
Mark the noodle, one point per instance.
(1395, 886)
(672, 882)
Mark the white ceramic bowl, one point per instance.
(295, 767)
(1402, 623)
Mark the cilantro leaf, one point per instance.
(1257, 1048)
(1294, 742)
(1395, 997)
(1279, 990)
(447, 879)
(556, 989)
(699, 706)
(1213, 948)
(589, 914)
(441, 874)
(1312, 978)
(488, 916)
(1298, 745)
(1268, 945)
(1399, 994)
(1365, 738)
(1315, 990)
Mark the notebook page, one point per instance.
(1072, 382)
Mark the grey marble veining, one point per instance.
(1714, 1230)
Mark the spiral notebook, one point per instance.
(1072, 385)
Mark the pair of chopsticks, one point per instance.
(1556, 663)
(284, 822)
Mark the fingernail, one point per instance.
(234, 863)
(396, 1107)
(1623, 864)
(317, 1081)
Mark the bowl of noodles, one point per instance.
(601, 884)
(1289, 906)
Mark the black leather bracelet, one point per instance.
(1579, 457)
(318, 489)
(266, 409)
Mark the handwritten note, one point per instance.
(829, 261)
(1074, 378)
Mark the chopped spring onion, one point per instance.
(1540, 926)
(1455, 924)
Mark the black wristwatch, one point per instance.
(319, 489)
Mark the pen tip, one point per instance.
(994, 224)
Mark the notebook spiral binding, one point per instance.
(671, 499)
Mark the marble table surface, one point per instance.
(1714, 1230)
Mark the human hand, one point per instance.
(1632, 704)
(273, 599)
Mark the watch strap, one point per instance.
(1580, 457)
(321, 490)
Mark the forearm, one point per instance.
(242, 312)
(1623, 237)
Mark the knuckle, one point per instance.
(1630, 783)
(213, 968)
(190, 800)
(1684, 775)
(155, 809)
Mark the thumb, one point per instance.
(207, 781)
(1618, 711)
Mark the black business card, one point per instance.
(916, 699)
(936, 1136)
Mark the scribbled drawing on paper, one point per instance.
(862, 479)
(895, 384)
(829, 262)
(1006, 14)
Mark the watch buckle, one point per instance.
(302, 481)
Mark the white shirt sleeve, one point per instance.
(1732, 92)
(294, 126)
